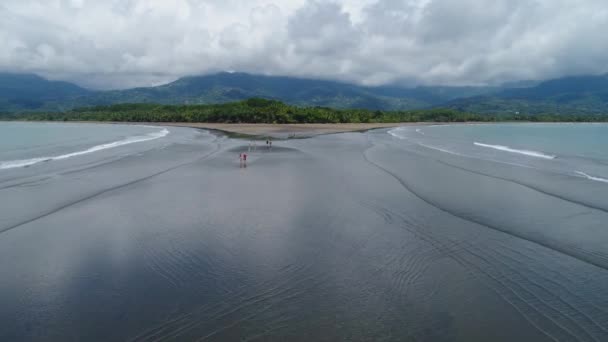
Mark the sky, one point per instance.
(115, 44)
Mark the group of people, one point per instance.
(252, 148)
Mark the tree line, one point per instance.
(257, 110)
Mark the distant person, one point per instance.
(270, 144)
(244, 159)
(240, 159)
(249, 147)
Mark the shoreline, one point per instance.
(253, 130)
(290, 131)
(330, 231)
(284, 131)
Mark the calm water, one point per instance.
(438, 233)
(572, 149)
(563, 140)
(25, 144)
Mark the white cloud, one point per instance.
(124, 43)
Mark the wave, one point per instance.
(441, 150)
(593, 178)
(393, 132)
(131, 140)
(512, 150)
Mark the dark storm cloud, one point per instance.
(123, 43)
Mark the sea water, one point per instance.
(546, 183)
(419, 235)
(579, 150)
(28, 144)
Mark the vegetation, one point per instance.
(257, 110)
(30, 93)
(187, 99)
(581, 95)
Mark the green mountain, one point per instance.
(568, 95)
(19, 92)
(229, 87)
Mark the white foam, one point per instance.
(419, 131)
(394, 131)
(464, 155)
(441, 150)
(597, 179)
(131, 140)
(512, 150)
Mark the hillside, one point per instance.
(228, 87)
(568, 95)
(31, 92)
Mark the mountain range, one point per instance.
(580, 94)
(567, 95)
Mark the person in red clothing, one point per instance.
(244, 159)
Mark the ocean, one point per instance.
(572, 149)
(493, 232)
(563, 161)
(27, 144)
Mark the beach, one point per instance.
(261, 130)
(353, 236)
(288, 130)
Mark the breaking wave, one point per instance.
(513, 150)
(593, 178)
(131, 140)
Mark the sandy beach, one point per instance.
(354, 236)
(289, 130)
(278, 131)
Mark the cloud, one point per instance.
(125, 43)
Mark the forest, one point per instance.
(258, 110)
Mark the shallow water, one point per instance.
(362, 236)
(24, 144)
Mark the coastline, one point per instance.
(284, 131)
(261, 130)
(292, 131)
(340, 231)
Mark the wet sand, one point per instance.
(279, 131)
(290, 130)
(338, 237)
